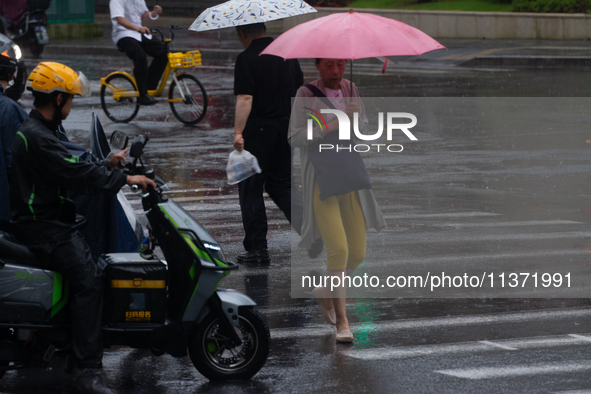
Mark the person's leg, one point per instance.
(354, 224)
(297, 203)
(254, 217)
(278, 180)
(328, 218)
(252, 203)
(133, 49)
(339, 300)
(159, 52)
(73, 260)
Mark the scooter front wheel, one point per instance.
(214, 357)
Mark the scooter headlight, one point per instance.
(215, 251)
(17, 52)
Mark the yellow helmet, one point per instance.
(49, 77)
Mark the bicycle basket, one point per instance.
(185, 59)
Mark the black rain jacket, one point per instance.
(43, 171)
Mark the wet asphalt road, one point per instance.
(487, 200)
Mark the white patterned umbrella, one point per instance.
(240, 12)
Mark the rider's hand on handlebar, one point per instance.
(117, 160)
(141, 181)
(144, 30)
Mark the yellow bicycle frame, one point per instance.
(120, 93)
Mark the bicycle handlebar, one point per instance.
(171, 29)
(154, 30)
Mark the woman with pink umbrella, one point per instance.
(340, 217)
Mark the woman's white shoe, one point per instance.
(329, 315)
(345, 336)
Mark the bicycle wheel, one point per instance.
(190, 106)
(119, 109)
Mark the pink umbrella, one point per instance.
(351, 35)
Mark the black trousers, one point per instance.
(72, 259)
(147, 78)
(297, 204)
(266, 139)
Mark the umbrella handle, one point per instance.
(351, 79)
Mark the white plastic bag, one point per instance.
(241, 165)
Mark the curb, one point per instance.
(529, 62)
(230, 55)
(221, 55)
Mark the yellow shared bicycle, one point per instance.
(186, 94)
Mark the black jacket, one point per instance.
(43, 171)
(11, 117)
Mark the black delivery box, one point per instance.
(136, 289)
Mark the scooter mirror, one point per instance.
(137, 146)
(119, 140)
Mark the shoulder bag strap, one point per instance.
(318, 93)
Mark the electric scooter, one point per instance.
(30, 29)
(172, 306)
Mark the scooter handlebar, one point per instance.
(137, 188)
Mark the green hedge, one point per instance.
(569, 6)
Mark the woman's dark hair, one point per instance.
(317, 60)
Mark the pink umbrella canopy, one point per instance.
(351, 35)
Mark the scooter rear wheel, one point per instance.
(215, 359)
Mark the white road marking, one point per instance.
(216, 207)
(390, 353)
(214, 189)
(494, 344)
(517, 317)
(557, 340)
(582, 337)
(447, 237)
(518, 370)
(440, 215)
(270, 223)
(472, 257)
(224, 197)
(511, 224)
